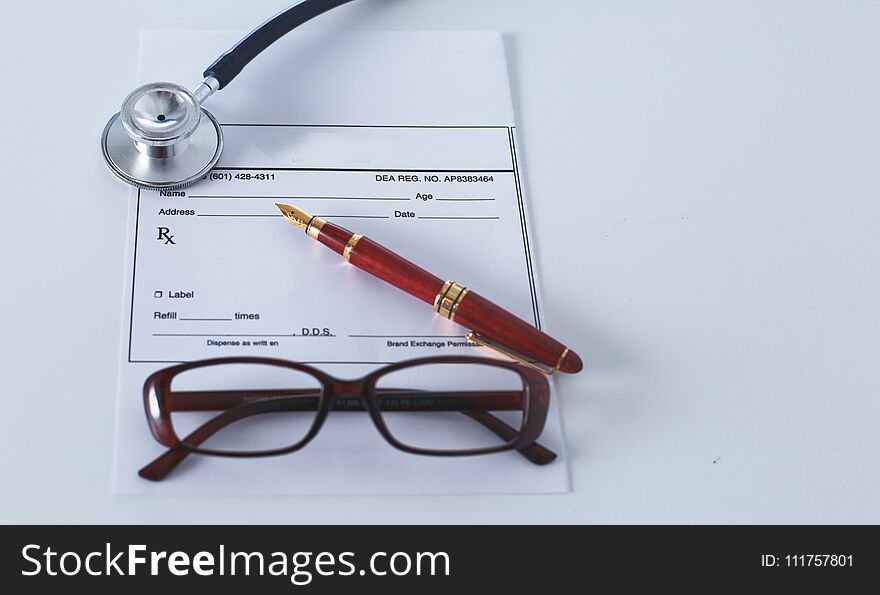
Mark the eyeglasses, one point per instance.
(257, 407)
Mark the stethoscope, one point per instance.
(162, 137)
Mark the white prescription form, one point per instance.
(407, 138)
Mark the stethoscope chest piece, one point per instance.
(161, 138)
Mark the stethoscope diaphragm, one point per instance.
(161, 138)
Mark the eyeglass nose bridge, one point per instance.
(347, 388)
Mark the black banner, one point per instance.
(431, 559)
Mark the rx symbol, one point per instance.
(164, 235)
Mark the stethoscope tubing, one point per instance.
(229, 65)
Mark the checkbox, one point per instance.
(157, 294)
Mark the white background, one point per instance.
(703, 180)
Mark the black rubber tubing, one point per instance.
(226, 67)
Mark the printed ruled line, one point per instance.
(207, 319)
(458, 218)
(414, 126)
(282, 216)
(213, 335)
(356, 216)
(464, 199)
(525, 228)
(405, 336)
(371, 169)
(277, 197)
(294, 335)
(385, 198)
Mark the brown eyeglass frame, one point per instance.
(345, 395)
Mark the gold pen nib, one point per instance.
(294, 216)
(299, 218)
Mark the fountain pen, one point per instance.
(489, 324)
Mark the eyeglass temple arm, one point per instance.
(534, 452)
(160, 467)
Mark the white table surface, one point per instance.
(704, 187)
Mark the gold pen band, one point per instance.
(349, 247)
(449, 299)
(561, 357)
(313, 228)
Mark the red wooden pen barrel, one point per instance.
(381, 262)
(449, 299)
